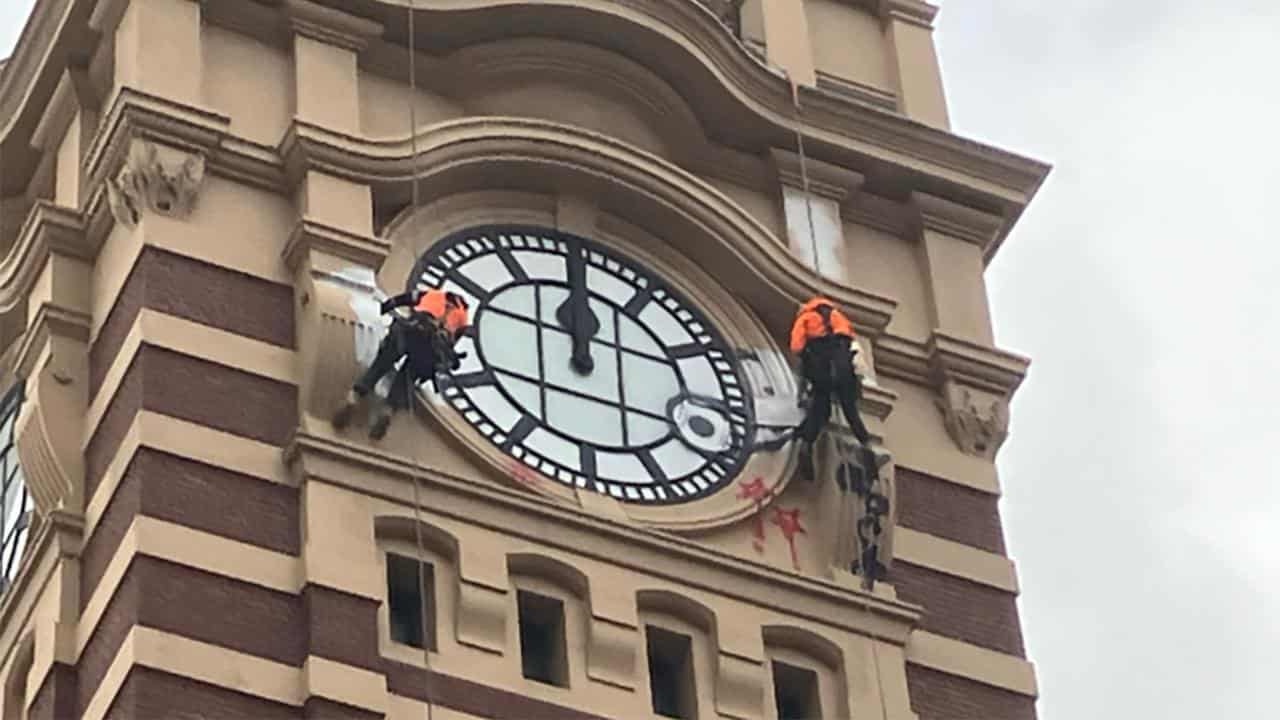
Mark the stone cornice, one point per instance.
(48, 228)
(916, 12)
(842, 131)
(340, 463)
(50, 321)
(137, 115)
(330, 26)
(944, 358)
(857, 92)
(826, 180)
(310, 236)
(949, 218)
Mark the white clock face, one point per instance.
(588, 368)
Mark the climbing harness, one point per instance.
(409, 386)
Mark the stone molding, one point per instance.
(944, 357)
(857, 92)
(447, 146)
(847, 128)
(310, 236)
(825, 180)
(962, 659)
(346, 465)
(307, 147)
(48, 228)
(971, 225)
(330, 26)
(916, 12)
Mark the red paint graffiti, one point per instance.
(755, 491)
(524, 475)
(788, 521)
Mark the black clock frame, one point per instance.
(438, 264)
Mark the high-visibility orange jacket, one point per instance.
(436, 303)
(452, 315)
(810, 323)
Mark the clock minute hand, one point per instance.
(575, 314)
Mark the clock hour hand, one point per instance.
(575, 314)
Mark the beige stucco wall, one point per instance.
(849, 43)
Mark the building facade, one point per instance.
(201, 205)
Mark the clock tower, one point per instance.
(598, 511)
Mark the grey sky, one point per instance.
(1140, 501)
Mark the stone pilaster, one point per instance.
(909, 30)
(326, 48)
(157, 46)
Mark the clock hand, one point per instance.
(575, 314)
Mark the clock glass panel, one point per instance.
(589, 368)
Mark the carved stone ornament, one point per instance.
(150, 183)
(978, 422)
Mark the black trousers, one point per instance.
(420, 364)
(828, 366)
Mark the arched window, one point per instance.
(680, 649)
(805, 677)
(551, 616)
(15, 502)
(421, 574)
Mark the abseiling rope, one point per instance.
(409, 386)
(817, 268)
(804, 176)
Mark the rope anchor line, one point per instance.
(416, 173)
(871, 504)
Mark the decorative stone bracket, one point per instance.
(977, 421)
(151, 181)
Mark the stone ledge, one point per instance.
(970, 661)
(953, 558)
(341, 464)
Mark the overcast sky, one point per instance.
(1140, 497)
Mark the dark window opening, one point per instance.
(795, 691)
(542, 646)
(411, 606)
(671, 673)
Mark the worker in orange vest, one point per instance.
(425, 339)
(823, 338)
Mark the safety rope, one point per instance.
(804, 174)
(410, 383)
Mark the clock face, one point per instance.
(588, 368)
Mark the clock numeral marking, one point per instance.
(637, 302)
(687, 350)
(587, 456)
(474, 379)
(527, 425)
(513, 266)
(651, 464)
